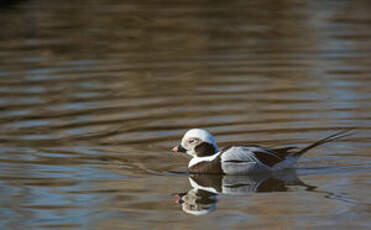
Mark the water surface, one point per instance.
(94, 94)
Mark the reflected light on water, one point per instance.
(93, 95)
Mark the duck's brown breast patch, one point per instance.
(207, 167)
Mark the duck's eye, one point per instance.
(191, 141)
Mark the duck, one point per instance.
(240, 159)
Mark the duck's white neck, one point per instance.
(196, 160)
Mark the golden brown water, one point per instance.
(93, 95)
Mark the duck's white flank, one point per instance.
(196, 160)
(289, 162)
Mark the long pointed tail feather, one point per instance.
(336, 136)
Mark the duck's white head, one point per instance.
(197, 143)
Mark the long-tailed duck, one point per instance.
(239, 160)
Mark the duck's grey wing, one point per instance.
(248, 159)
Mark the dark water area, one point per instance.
(94, 94)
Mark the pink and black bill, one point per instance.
(179, 148)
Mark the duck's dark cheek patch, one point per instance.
(205, 149)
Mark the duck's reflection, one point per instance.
(202, 198)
